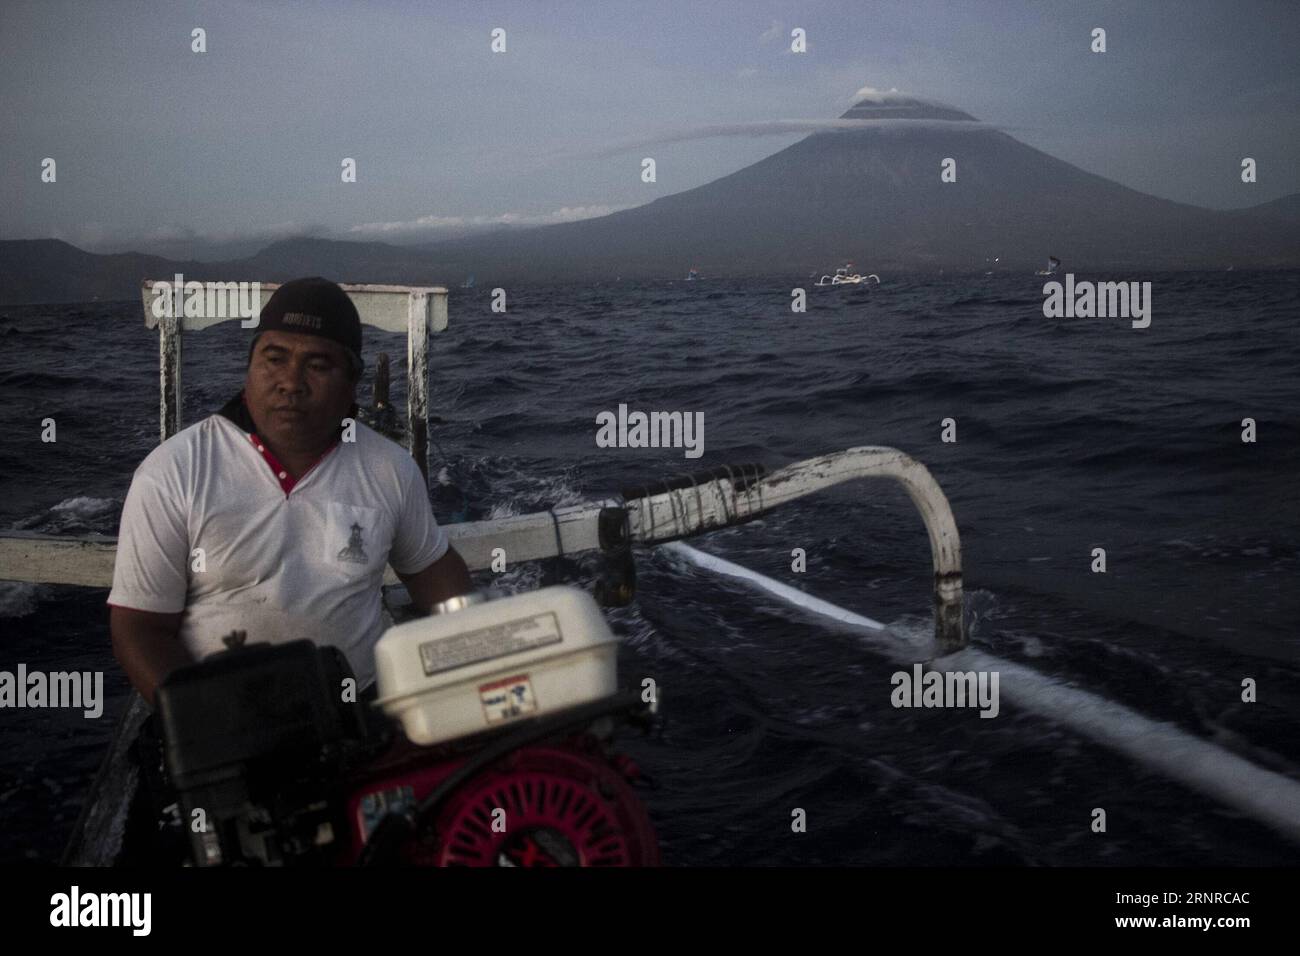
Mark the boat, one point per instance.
(469, 282)
(434, 781)
(416, 784)
(844, 277)
(693, 275)
(119, 823)
(1053, 264)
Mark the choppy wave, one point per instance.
(18, 598)
(80, 515)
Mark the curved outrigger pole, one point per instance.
(727, 496)
(725, 501)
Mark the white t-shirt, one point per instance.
(281, 566)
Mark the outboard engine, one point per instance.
(489, 745)
(254, 739)
(519, 694)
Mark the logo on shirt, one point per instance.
(354, 552)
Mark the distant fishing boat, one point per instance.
(1053, 264)
(469, 282)
(692, 275)
(844, 277)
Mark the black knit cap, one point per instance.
(314, 306)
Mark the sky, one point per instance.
(162, 149)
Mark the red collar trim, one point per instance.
(286, 480)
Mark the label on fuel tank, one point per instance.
(507, 698)
(487, 643)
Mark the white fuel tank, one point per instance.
(475, 669)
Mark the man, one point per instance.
(272, 516)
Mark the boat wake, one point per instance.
(1268, 796)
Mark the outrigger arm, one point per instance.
(654, 515)
(719, 502)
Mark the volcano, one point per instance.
(870, 191)
(866, 190)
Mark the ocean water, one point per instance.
(1072, 434)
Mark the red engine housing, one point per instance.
(554, 804)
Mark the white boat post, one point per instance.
(416, 310)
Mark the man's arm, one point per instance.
(148, 647)
(445, 578)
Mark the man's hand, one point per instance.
(445, 578)
(148, 646)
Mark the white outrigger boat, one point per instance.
(844, 277)
(1053, 264)
(469, 739)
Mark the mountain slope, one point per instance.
(871, 193)
(874, 195)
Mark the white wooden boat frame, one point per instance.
(658, 515)
(668, 515)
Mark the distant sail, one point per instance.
(1053, 263)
